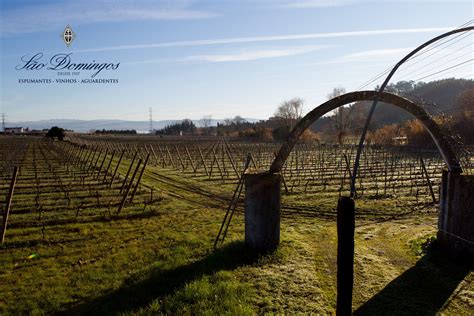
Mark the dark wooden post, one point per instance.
(179, 157)
(231, 208)
(108, 166)
(232, 163)
(190, 159)
(154, 155)
(81, 156)
(116, 168)
(170, 158)
(102, 163)
(163, 158)
(139, 178)
(345, 255)
(9, 203)
(203, 161)
(428, 180)
(93, 152)
(217, 163)
(97, 160)
(128, 172)
(129, 187)
(93, 165)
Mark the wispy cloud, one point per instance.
(302, 4)
(43, 17)
(237, 40)
(253, 54)
(368, 56)
(316, 3)
(244, 55)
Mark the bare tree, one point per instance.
(342, 116)
(290, 112)
(206, 121)
(228, 121)
(238, 120)
(336, 92)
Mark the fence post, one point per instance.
(128, 172)
(139, 178)
(129, 187)
(428, 180)
(108, 166)
(345, 255)
(102, 163)
(116, 168)
(203, 161)
(9, 203)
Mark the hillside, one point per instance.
(436, 97)
(441, 94)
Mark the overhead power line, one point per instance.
(416, 72)
(446, 69)
(410, 65)
(427, 49)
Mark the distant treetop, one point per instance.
(113, 131)
(56, 132)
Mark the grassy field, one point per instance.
(157, 258)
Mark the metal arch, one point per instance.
(432, 127)
(384, 84)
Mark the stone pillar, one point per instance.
(456, 214)
(262, 211)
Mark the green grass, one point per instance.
(160, 261)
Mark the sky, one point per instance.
(189, 59)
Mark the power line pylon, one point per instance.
(3, 123)
(151, 121)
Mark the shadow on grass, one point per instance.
(160, 283)
(421, 290)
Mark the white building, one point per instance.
(14, 130)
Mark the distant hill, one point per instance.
(440, 94)
(436, 97)
(87, 125)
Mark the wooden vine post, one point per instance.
(6, 212)
(128, 172)
(428, 180)
(139, 178)
(129, 187)
(116, 168)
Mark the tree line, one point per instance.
(449, 101)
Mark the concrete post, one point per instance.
(262, 211)
(456, 214)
